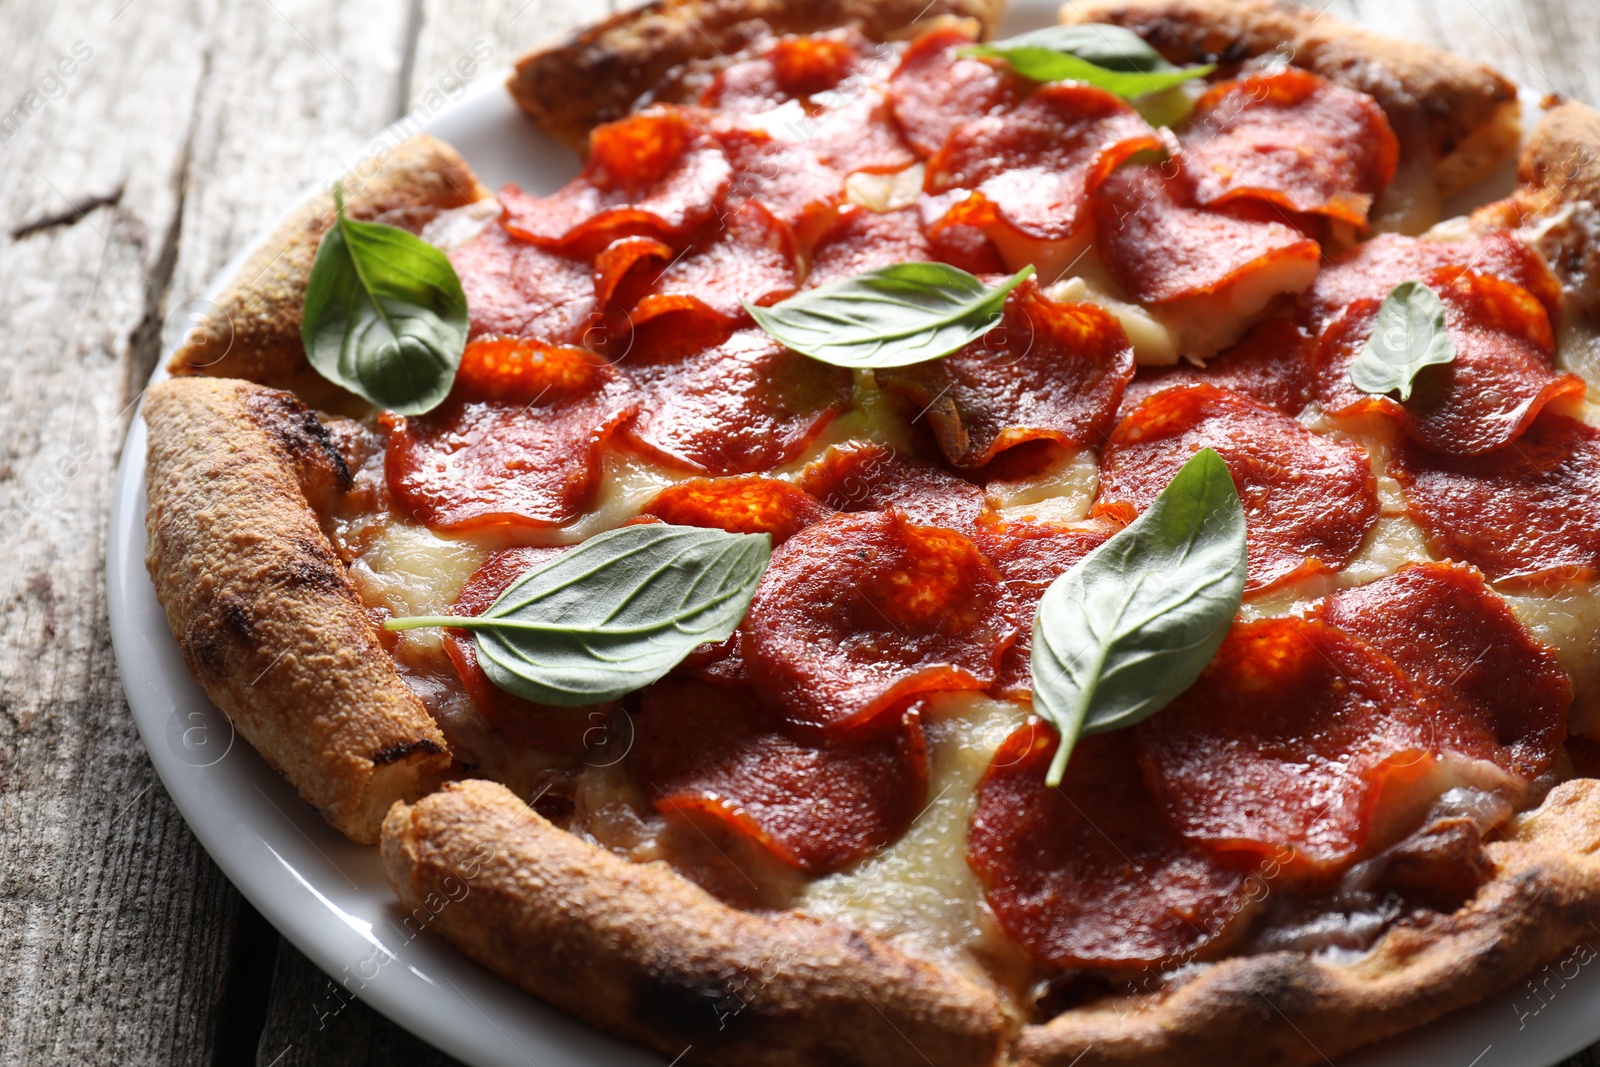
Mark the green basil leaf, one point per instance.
(1410, 334)
(1132, 625)
(1108, 57)
(613, 614)
(384, 315)
(889, 317)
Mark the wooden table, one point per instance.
(181, 129)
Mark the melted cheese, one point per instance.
(1153, 345)
(885, 192)
(919, 893)
(1062, 492)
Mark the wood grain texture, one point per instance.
(119, 940)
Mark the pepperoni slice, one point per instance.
(523, 722)
(1374, 267)
(718, 751)
(744, 406)
(1462, 644)
(1308, 500)
(1290, 737)
(1039, 162)
(1272, 365)
(861, 476)
(531, 461)
(794, 68)
(935, 89)
(746, 255)
(1029, 555)
(1089, 875)
(1499, 381)
(1048, 371)
(859, 612)
(1523, 514)
(1160, 247)
(657, 172)
(1292, 139)
(785, 177)
(515, 289)
(749, 504)
(862, 240)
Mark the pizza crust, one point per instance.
(1297, 1009)
(1459, 117)
(601, 73)
(642, 952)
(258, 335)
(264, 614)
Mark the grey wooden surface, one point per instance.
(183, 127)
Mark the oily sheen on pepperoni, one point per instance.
(1047, 371)
(531, 459)
(1292, 139)
(1523, 514)
(1308, 500)
(1090, 875)
(741, 407)
(1272, 365)
(1029, 555)
(1290, 738)
(719, 751)
(1038, 163)
(657, 172)
(1460, 642)
(1160, 247)
(1499, 381)
(515, 289)
(935, 89)
(861, 240)
(537, 726)
(862, 476)
(859, 612)
(747, 504)
(747, 254)
(793, 69)
(1374, 267)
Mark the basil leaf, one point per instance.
(1409, 335)
(384, 315)
(613, 614)
(1133, 624)
(1107, 57)
(889, 317)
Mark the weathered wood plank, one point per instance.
(116, 932)
(113, 923)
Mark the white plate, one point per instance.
(329, 897)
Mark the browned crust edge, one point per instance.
(1464, 114)
(1562, 154)
(1290, 1008)
(602, 72)
(640, 951)
(264, 614)
(254, 330)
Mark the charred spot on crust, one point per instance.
(705, 1009)
(404, 749)
(297, 432)
(237, 617)
(213, 633)
(315, 566)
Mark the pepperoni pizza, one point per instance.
(825, 834)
